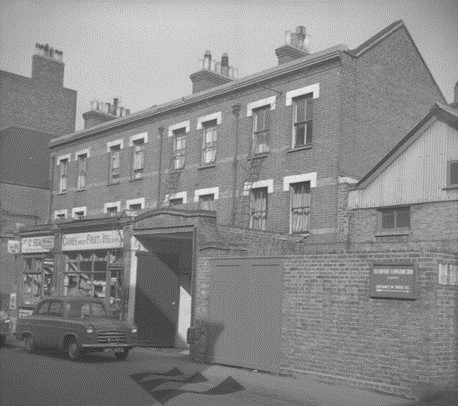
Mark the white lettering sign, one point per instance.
(37, 244)
(90, 241)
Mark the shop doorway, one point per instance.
(157, 299)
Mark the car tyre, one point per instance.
(2, 341)
(29, 344)
(73, 350)
(121, 356)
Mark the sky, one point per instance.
(143, 52)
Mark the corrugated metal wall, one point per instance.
(418, 175)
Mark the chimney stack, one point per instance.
(101, 112)
(296, 46)
(47, 65)
(212, 73)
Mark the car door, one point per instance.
(36, 323)
(56, 325)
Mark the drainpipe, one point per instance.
(159, 175)
(235, 112)
(51, 184)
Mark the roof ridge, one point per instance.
(377, 37)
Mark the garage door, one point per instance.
(245, 312)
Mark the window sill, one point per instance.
(393, 233)
(302, 148)
(82, 189)
(135, 179)
(61, 193)
(113, 183)
(259, 155)
(207, 166)
(451, 187)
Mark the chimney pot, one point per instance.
(207, 60)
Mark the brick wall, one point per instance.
(432, 226)
(333, 331)
(387, 90)
(36, 104)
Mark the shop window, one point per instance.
(395, 218)
(37, 279)
(207, 202)
(209, 142)
(299, 207)
(179, 148)
(302, 120)
(43, 308)
(261, 129)
(138, 159)
(452, 174)
(92, 274)
(258, 208)
(82, 168)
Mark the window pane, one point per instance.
(300, 110)
(300, 135)
(387, 219)
(453, 171)
(403, 217)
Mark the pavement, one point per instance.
(298, 390)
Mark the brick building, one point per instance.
(228, 210)
(32, 111)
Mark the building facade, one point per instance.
(32, 112)
(227, 210)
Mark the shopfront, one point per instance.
(94, 266)
(38, 275)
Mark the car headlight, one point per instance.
(90, 329)
(134, 330)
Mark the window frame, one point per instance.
(63, 175)
(209, 127)
(115, 172)
(306, 208)
(205, 199)
(450, 163)
(306, 122)
(179, 136)
(138, 158)
(263, 212)
(263, 132)
(395, 210)
(81, 170)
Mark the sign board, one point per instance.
(12, 301)
(31, 245)
(393, 281)
(14, 247)
(92, 241)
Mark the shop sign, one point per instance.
(448, 274)
(92, 241)
(37, 244)
(393, 281)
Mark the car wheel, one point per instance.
(29, 344)
(121, 356)
(2, 341)
(73, 350)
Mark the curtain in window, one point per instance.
(259, 208)
(63, 175)
(210, 136)
(139, 149)
(300, 207)
(82, 161)
(179, 150)
(303, 115)
(261, 130)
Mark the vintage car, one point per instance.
(5, 327)
(75, 324)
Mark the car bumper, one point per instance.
(106, 346)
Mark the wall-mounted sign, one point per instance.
(32, 245)
(13, 301)
(393, 281)
(92, 241)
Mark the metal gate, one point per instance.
(245, 313)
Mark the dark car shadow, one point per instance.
(98, 357)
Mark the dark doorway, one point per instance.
(156, 299)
